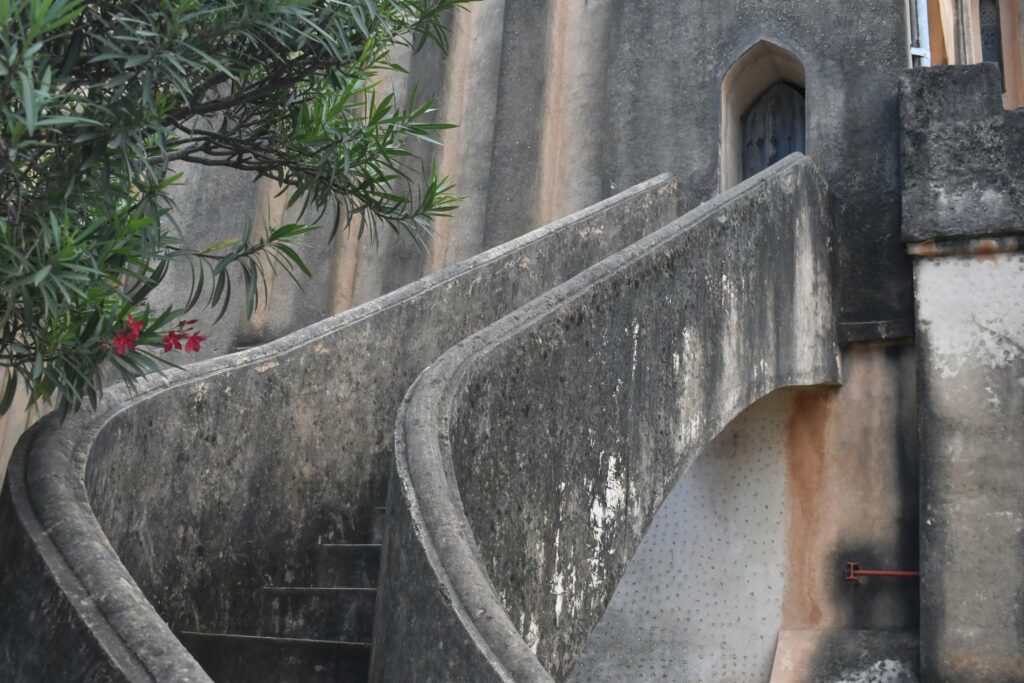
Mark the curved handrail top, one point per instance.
(51, 459)
(423, 427)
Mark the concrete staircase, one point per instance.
(321, 632)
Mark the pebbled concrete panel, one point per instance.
(172, 508)
(532, 456)
(971, 374)
(702, 598)
(755, 536)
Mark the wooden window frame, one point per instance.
(1013, 58)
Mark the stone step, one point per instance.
(230, 658)
(339, 614)
(348, 565)
(377, 533)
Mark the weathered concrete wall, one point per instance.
(531, 458)
(749, 547)
(190, 496)
(561, 103)
(971, 339)
(962, 152)
(964, 209)
(702, 598)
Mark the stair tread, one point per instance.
(348, 564)
(327, 613)
(273, 639)
(244, 658)
(318, 589)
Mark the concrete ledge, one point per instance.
(531, 457)
(169, 509)
(961, 155)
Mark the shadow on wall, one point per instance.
(12, 425)
(750, 544)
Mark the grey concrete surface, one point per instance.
(740, 576)
(563, 103)
(963, 175)
(172, 508)
(701, 600)
(531, 457)
(592, 96)
(964, 221)
(971, 374)
(846, 656)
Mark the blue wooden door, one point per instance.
(773, 127)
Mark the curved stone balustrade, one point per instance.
(531, 457)
(168, 510)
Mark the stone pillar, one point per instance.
(963, 206)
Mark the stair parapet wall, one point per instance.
(169, 510)
(531, 457)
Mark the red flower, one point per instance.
(123, 341)
(135, 328)
(193, 342)
(172, 340)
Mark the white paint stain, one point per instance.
(691, 395)
(636, 344)
(603, 511)
(615, 492)
(558, 585)
(972, 311)
(533, 636)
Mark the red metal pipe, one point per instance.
(854, 572)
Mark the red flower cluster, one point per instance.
(183, 332)
(172, 340)
(125, 340)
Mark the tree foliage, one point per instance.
(98, 99)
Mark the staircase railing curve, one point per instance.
(531, 457)
(167, 511)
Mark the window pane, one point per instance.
(991, 34)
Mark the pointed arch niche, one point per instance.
(752, 76)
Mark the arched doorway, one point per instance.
(772, 128)
(763, 99)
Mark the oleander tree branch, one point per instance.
(98, 99)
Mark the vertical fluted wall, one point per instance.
(560, 103)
